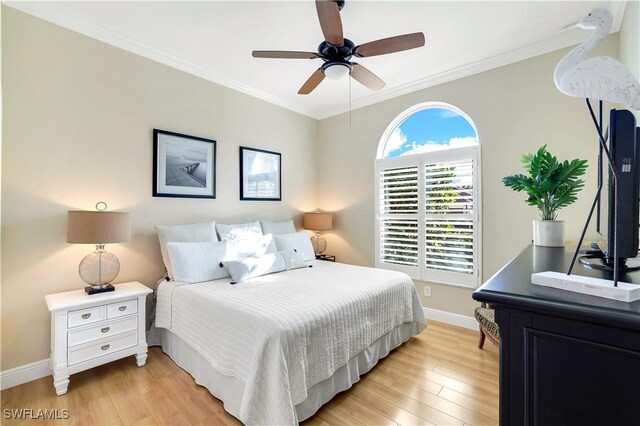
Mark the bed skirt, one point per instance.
(230, 390)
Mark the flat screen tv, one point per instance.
(624, 148)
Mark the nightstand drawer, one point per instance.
(121, 309)
(86, 316)
(102, 347)
(102, 330)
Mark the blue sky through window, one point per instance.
(430, 129)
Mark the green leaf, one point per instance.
(550, 184)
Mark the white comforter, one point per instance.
(282, 333)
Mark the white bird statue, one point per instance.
(602, 78)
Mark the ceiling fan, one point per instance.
(337, 51)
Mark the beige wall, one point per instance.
(78, 121)
(630, 40)
(516, 109)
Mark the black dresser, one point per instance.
(565, 358)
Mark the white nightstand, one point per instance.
(87, 331)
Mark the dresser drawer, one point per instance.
(102, 347)
(123, 308)
(102, 330)
(86, 316)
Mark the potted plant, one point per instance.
(550, 186)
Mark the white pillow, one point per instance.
(239, 231)
(193, 233)
(252, 247)
(292, 259)
(275, 228)
(298, 241)
(250, 267)
(199, 262)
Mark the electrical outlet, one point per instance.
(427, 291)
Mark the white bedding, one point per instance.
(280, 334)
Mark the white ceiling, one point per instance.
(214, 40)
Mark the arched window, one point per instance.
(428, 200)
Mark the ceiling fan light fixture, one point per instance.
(336, 70)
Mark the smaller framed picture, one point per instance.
(183, 166)
(260, 175)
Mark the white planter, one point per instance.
(548, 233)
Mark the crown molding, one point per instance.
(109, 36)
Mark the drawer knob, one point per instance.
(122, 308)
(85, 316)
(105, 330)
(105, 347)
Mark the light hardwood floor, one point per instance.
(439, 377)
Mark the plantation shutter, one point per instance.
(450, 220)
(428, 219)
(398, 216)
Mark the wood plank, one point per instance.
(440, 404)
(360, 413)
(131, 408)
(101, 411)
(409, 404)
(163, 408)
(489, 409)
(385, 408)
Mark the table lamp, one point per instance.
(99, 227)
(318, 222)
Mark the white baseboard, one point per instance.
(450, 318)
(24, 373)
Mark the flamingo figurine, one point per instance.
(602, 78)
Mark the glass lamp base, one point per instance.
(319, 244)
(99, 268)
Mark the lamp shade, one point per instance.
(98, 227)
(318, 221)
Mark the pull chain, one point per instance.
(349, 100)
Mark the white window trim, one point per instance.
(421, 160)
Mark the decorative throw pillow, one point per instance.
(253, 247)
(275, 228)
(192, 233)
(239, 231)
(292, 259)
(298, 241)
(250, 267)
(199, 262)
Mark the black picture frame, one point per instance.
(185, 177)
(266, 182)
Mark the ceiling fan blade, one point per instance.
(330, 22)
(283, 54)
(366, 77)
(313, 81)
(390, 45)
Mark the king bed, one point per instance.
(272, 332)
(275, 348)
